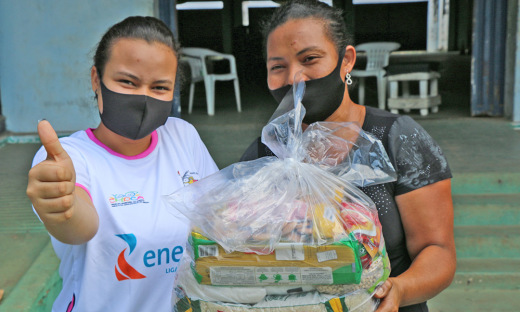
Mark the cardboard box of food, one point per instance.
(289, 264)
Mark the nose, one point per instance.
(296, 74)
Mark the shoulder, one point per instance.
(379, 123)
(418, 158)
(376, 115)
(406, 129)
(396, 131)
(386, 126)
(177, 124)
(178, 130)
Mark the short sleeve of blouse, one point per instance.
(419, 159)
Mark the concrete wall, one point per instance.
(46, 50)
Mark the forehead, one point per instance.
(297, 34)
(139, 51)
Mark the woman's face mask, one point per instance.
(131, 115)
(322, 96)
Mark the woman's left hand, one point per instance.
(390, 295)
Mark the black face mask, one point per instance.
(322, 96)
(131, 115)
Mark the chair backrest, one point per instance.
(378, 53)
(198, 52)
(195, 67)
(202, 53)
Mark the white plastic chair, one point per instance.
(196, 58)
(378, 55)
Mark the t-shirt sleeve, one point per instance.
(418, 158)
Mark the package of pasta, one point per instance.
(291, 232)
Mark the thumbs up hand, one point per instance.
(52, 182)
(66, 210)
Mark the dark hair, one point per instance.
(147, 28)
(335, 27)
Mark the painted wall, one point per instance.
(46, 50)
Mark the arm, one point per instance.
(66, 210)
(427, 217)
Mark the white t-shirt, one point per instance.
(131, 262)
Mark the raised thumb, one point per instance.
(50, 141)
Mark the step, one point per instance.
(39, 286)
(489, 300)
(486, 209)
(487, 241)
(486, 182)
(487, 273)
(481, 285)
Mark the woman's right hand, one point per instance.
(53, 193)
(52, 182)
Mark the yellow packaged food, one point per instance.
(288, 264)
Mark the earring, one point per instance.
(348, 79)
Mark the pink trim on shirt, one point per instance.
(83, 187)
(147, 152)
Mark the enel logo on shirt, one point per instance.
(151, 258)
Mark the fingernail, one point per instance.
(41, 120)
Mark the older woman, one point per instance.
(416, 211)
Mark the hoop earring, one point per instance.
(348, 79)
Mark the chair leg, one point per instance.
(381, 92)
(210, 95)
(192, 91)
(361, 91)
(237, 95)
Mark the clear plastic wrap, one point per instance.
(287, 233)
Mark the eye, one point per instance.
(310, 58)
(126, 82)
(276, 67)
(161, 88)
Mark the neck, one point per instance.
(348, 111)
(120, 144)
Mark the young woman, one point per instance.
(99, 191)
(416, 211)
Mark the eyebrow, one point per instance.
(275, 58)
(311, 48)
(129, 75)
(167, 81)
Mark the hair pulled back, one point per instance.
(146, 28)
(334, 24)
